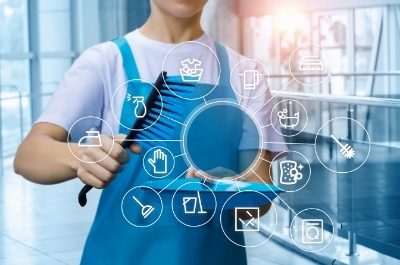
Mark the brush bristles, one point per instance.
(162, 127)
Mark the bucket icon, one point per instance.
(190, 204)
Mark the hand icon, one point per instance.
(159, 162)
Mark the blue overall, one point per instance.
(112, 240)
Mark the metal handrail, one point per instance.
(382, 73)
(27, 95)
(20, 95)
(20, 110)
(367, 101)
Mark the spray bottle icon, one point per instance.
(140, 107)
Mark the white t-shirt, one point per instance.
(88, 86)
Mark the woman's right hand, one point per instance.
(110, 160)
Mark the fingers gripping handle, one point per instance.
(131, 135)
(82, 199)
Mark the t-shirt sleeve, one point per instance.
(80, 94)
(260, 106)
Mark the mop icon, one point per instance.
(146, 209)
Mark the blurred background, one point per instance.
(39, 39)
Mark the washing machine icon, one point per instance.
(290, 172)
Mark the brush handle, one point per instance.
(131, 135)
(82, 195)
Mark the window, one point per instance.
(36, 48)
(272, 38)
(55, 44)
(14, 73)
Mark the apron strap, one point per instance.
(222, 55)
(131, 72)
(128, 59)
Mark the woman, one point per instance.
(87, 90)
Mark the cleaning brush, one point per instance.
(165, 111)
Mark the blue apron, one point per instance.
(112, 240)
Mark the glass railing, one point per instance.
(352, 144)
(15, 122)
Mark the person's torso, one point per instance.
(112, 239)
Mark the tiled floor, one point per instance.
(45, 225)
(42, 224)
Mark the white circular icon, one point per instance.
(294, 170)
(342, 145)
(134, 92)
(246, 218)
(249, 78)
(292, 117)
(191, 70)
(194, 204)
(312, 230)
(158, 162)
(308, 66)
(141, 206)
(86, 133)
(195, 140)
